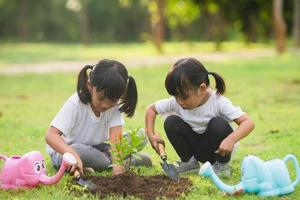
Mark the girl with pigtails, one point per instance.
(198, 119)
(91, 119)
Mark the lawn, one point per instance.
(24, 53)
(268, 89)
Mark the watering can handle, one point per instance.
(296, 165)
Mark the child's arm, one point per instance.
(54, 139)
(115, 136)
(246, 125)
(153, 136)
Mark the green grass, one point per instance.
(267, 89)
(22, 53)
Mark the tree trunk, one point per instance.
(216, 27)
(22, 20)
(158, 24)
(252, 30)
(296, 26)
(84, 24)
(279, 26)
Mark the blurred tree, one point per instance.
(80, 8)
(251, 20)
(296, 26)
(118, 20)
(174, 13)
(252, 14)
(180, 14)
(23, 29)
(84, 23)
(157, 12)
(216, 23)
(215, 20)
(279, 26)
(141, 20)
(8, 10)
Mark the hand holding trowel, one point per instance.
(82, 181)
(169, 169)
(74, 170)
(78, 174)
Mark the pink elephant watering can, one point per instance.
(29, 170)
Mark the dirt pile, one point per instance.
(144, 187)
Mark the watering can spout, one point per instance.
(296, 165)
(207, 171)
(46, 180)
(68, 159)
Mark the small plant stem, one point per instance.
(129, 165)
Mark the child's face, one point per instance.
(100, 103)
(193, 99)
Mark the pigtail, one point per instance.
(82, 89)
(220, 83)
(129, 100)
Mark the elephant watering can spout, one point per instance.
(68, 159)
(207, 171)
(296, 165)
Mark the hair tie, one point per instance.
(204, 73)
(93, 67)
(127, 82)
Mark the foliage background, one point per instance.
(129, 20)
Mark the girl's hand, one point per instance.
(225, 147)
(118, 169)
(79, 165)
(154, 138)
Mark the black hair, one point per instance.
(111, 78)
(187, 74)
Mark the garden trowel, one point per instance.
(169, 169)
(83, 181)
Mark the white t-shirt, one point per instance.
(198, 118)
(79, 124)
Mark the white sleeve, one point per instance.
(65, 119)
(166, 106)
(228, 110)
(115, 118)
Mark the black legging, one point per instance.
(188, 143)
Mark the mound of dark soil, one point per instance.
(144, 187)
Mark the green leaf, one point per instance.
(128, 145)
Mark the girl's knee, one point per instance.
(171, 123)
(217, 120)
(218, 124)
(79, 147)
(101, 164)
